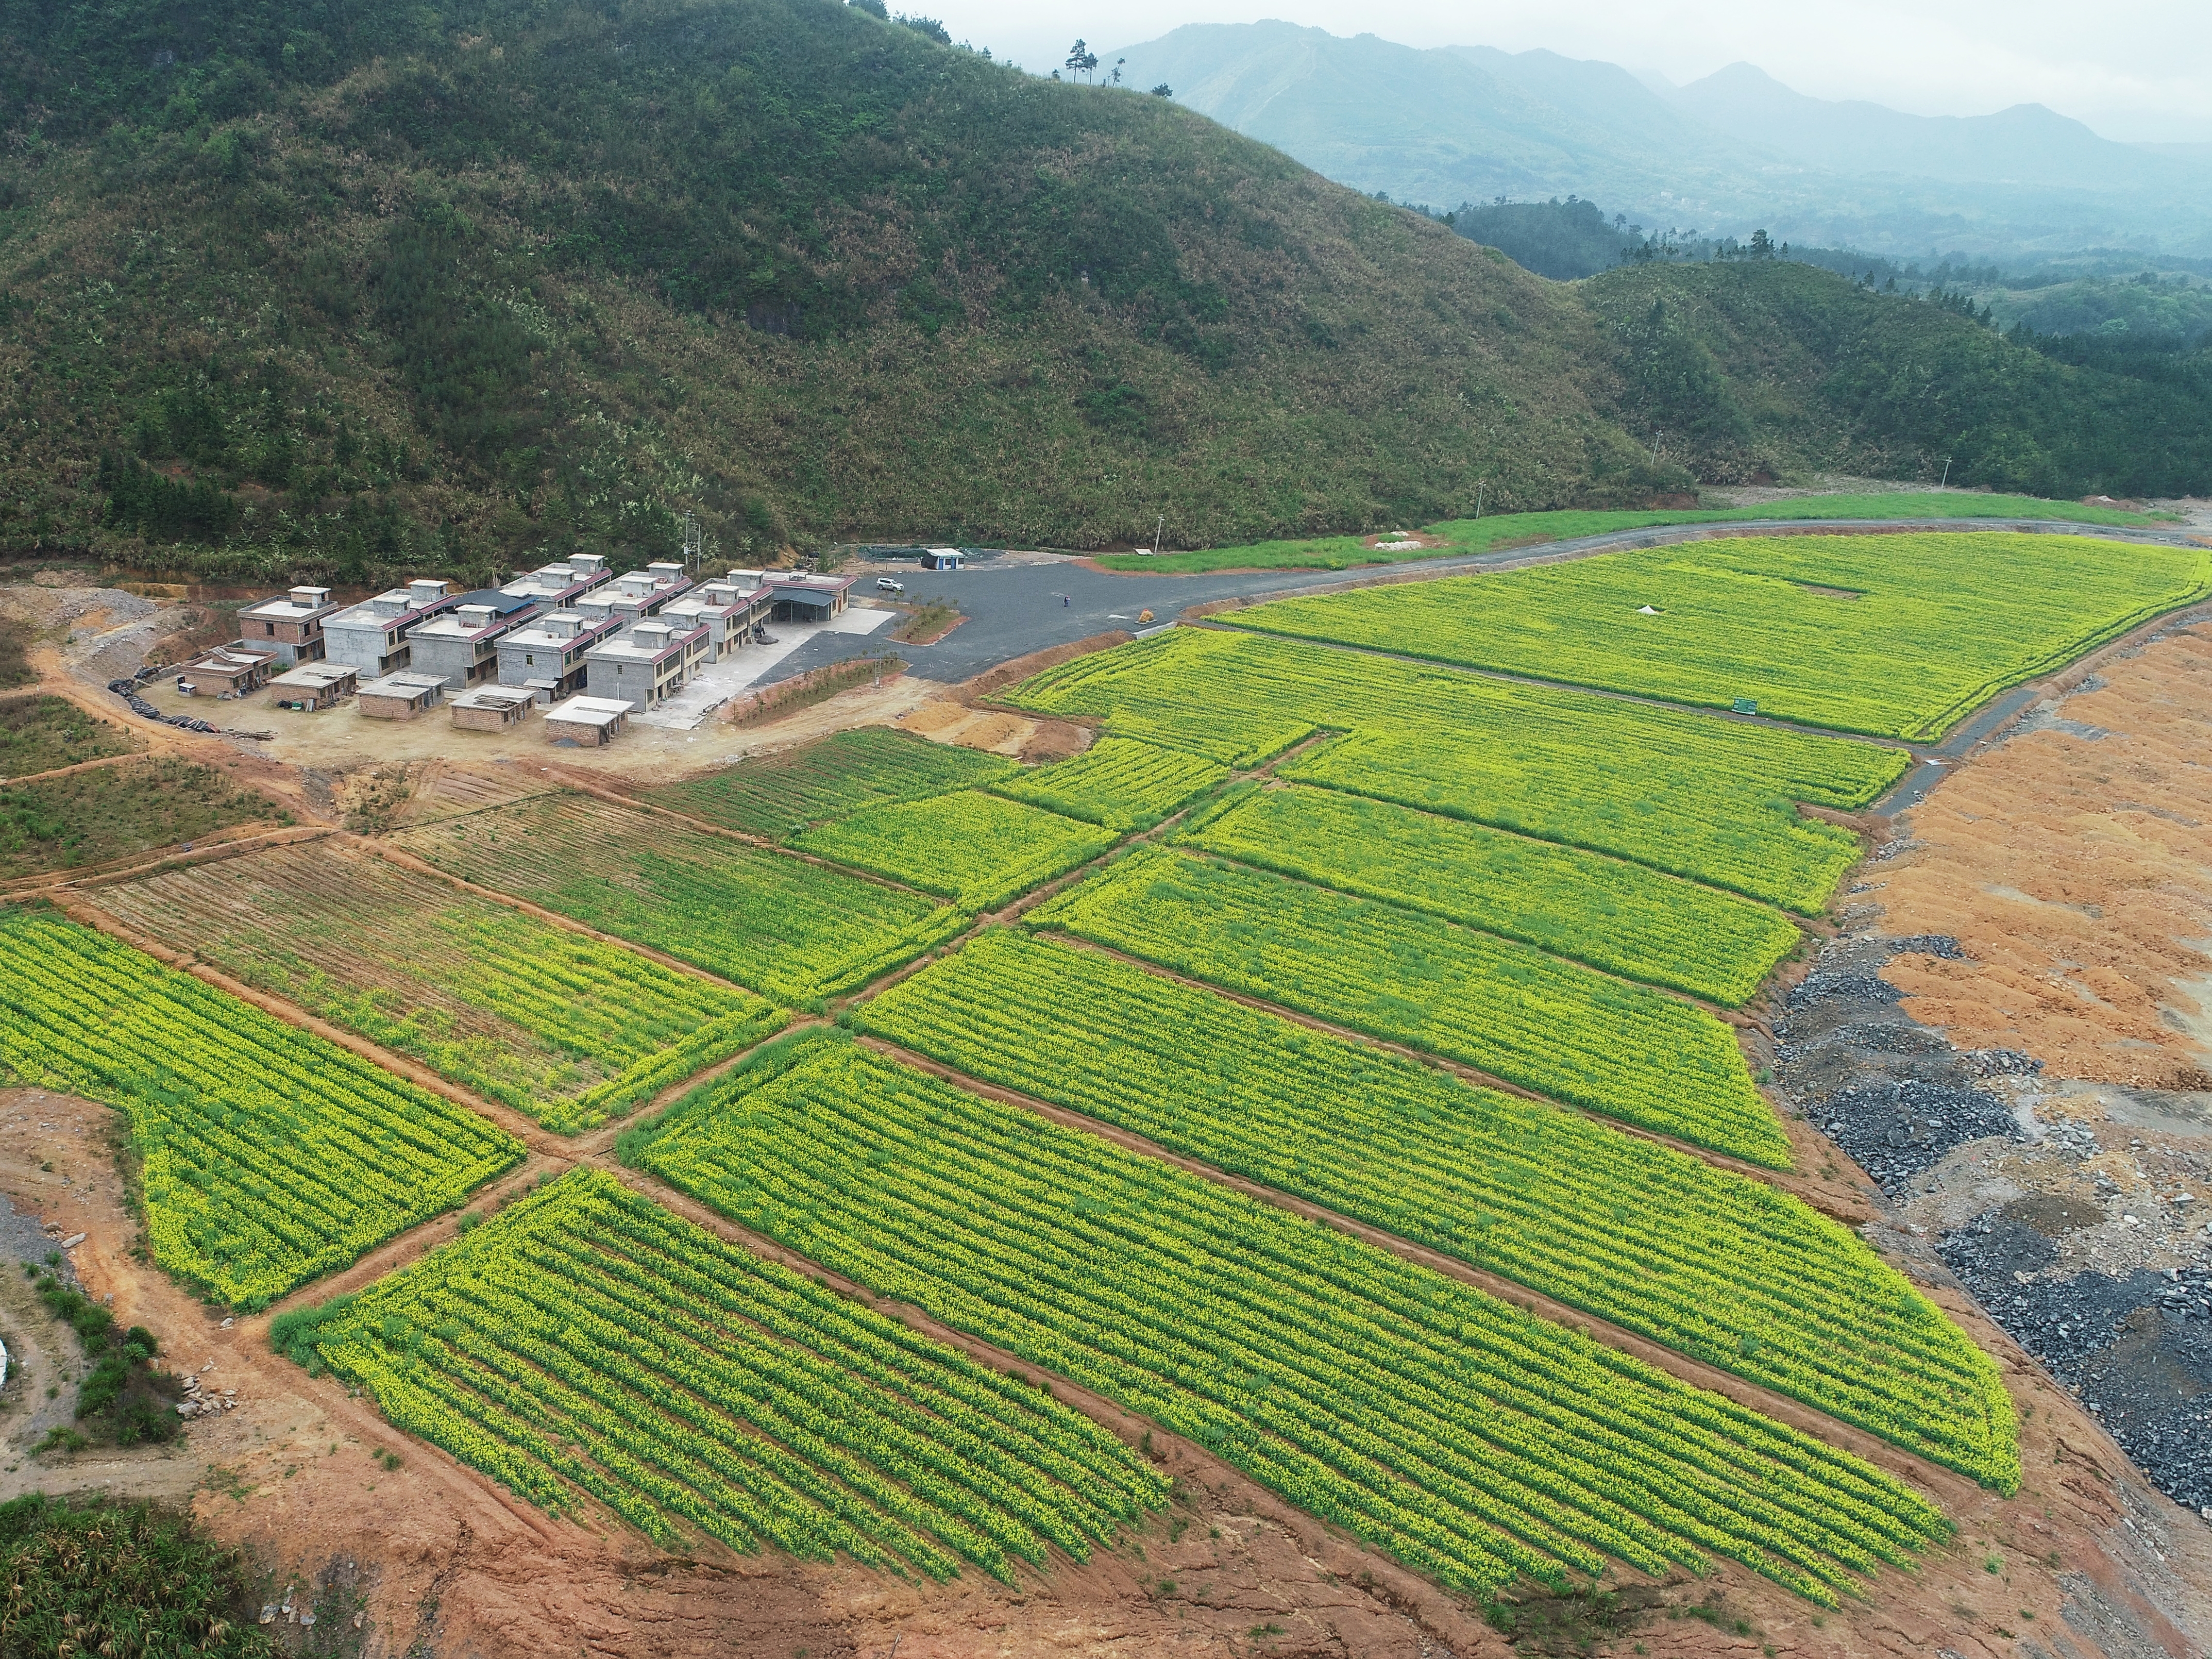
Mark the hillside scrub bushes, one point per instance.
(99, 1576)
(121, 1400)
(1883, 386)
(1041, 353)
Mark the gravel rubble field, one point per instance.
(2087, 1243)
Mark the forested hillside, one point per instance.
(1764, 365)
(345, 290)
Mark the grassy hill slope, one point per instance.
(537, 276)
(348, 291)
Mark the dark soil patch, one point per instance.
(2136, 1348)
(1888, 1089)
(2052, 1214)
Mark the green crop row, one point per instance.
(268, 1156)
(1121, 784)
(1603, 911)
(556, 1025)
(586, 1341)
(1502, 531)
(777, 924)
(1470, 1440)
(980, 851)
(1715, 1266)
(1624, 1050)
(779, 795)
(1898, 635)
(1714, 801)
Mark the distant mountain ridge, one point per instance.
(1734, 150)
(2027, 143)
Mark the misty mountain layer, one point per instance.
(1733, 151)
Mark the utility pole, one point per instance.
(1158, 530)
(1656, 435)
(1947, 473)
(1480, 485)
(692, 556)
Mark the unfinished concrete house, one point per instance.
(290, 624)
(590, 721)
(546, 653)
(650, 662)
(314, 685)
(492, 708)
(373, 636)
(461, 646)
(728, 612)
(401, 697)
(636, 595)
(559, 586)
(228, 670)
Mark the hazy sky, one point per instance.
(2131, 69)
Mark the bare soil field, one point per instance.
(2071, 861)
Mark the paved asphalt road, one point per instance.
(1014, 609)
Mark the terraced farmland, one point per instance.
(1898, 635)
(1123, 784)
(789, 929)
(1712, 1264)
(1605, 912)
(555, 1025)
(1683, 793)
(1467, 1438)
(1418, 980)
(980, 851)
(1624, 1050)
(779, 795)
(268, 1156)
(586, 1342)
